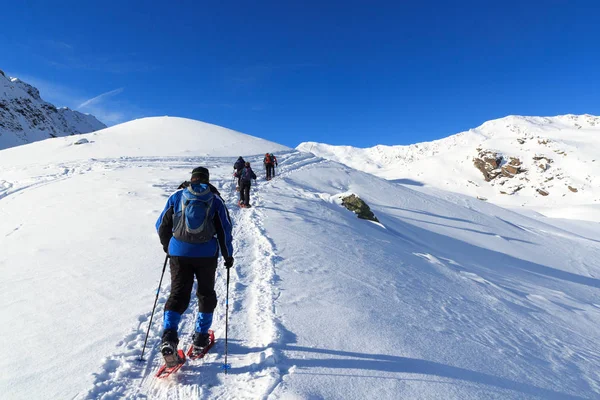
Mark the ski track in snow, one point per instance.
(254, 329)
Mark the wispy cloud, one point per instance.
(101, 97)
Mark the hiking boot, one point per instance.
(247, 206)
(169, 342)
(201, 340)
(168, 348)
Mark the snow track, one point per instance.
(448, 297)
(254, 329)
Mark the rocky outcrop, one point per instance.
(490, 165)
(359, 207)
(488, 162)
(543, 162)
(542, 192)
(25, 117)
(512, 168)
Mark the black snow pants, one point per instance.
(245, 192)
(270, 170)
(183, 270)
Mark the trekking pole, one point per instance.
(153, 308)
(226, 366)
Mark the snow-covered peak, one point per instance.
(145, 137)
(558, 167)
(25, 117)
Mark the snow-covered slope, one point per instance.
(146, 137)
(558, 173)
(449, 297)
(25, 117)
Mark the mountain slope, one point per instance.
(146, 137)
(557, 173)
(26, 118)
(448, 297)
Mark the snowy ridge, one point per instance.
(448, 297)
(25, 117)
(558, 154)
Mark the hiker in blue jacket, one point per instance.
(192, 228)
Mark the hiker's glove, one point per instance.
(228, 262)
(166, 248)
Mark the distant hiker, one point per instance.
(246, 177)
(274, 161)
(187, 227)
(238, 167)
(269, 161)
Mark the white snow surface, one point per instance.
(447, 297)
(25, 117)
(572, 142)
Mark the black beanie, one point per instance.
(200, 174)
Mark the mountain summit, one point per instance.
(25, 117)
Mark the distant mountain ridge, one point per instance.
(25, 117)
(513, 161)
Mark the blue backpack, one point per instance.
(193, 222)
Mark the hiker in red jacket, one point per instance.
(270, 162)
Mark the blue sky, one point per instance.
(353, 72)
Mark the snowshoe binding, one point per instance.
(202, 343)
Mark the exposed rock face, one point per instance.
(25, 117)
(488, 162)
(490, 165)
(359, 207)
(512, 168)
(543, 192)
(572, 189)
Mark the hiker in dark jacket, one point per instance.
(273, 165)
(239, 166)
(193, 239)
(246, 177)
